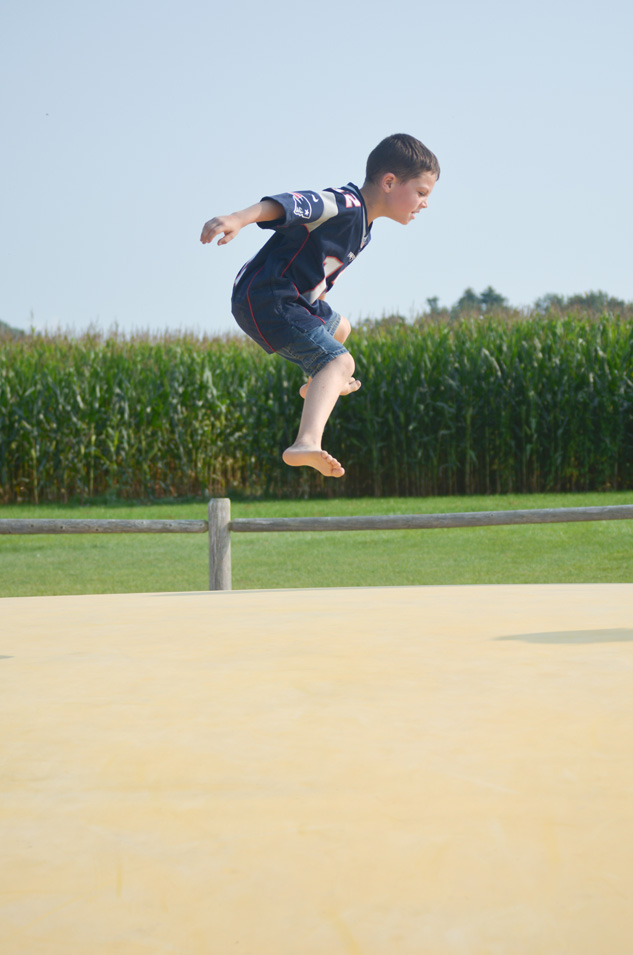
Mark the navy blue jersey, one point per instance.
(317, 237)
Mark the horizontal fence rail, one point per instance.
(406, 522)
(107, 526)
(220, 526)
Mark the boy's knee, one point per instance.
(343, 329)
(347, 364)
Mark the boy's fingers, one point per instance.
(214, 227)
(210, 230)
(209, 236)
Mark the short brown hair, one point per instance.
(405, 156)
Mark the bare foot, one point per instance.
(352, 385)
(314, 458)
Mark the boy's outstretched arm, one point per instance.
(265, 211)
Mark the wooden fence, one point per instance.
(219, 526)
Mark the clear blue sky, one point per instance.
(127, 124)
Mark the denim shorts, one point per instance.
(313, 348)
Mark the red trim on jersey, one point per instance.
(248, 299)
(298, 251)
(322, 320)
(290, 263)
(326, 277)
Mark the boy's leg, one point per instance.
(322, 395)
(342, 330)
(340, 335)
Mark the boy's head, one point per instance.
(404, 156)
(401, 174)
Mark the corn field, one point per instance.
(491, 405)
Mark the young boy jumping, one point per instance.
(278, 296)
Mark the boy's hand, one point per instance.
(267, 210)
(229, 225)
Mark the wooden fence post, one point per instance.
(219, 544)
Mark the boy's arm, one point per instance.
(265, 211)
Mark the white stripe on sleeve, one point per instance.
(330, 209)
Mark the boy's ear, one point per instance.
(388, 181)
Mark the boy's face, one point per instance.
(405, 199)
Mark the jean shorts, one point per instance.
(313, 348)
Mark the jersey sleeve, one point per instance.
(302, 208)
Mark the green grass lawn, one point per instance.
(127, 563)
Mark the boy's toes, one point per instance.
(352, 385)
(336, 468)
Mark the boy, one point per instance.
(278, 296)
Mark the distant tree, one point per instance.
(595, 302)
(434, 304)
(469, 302)
(549, 303)
(490, 299)
(6, 331)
